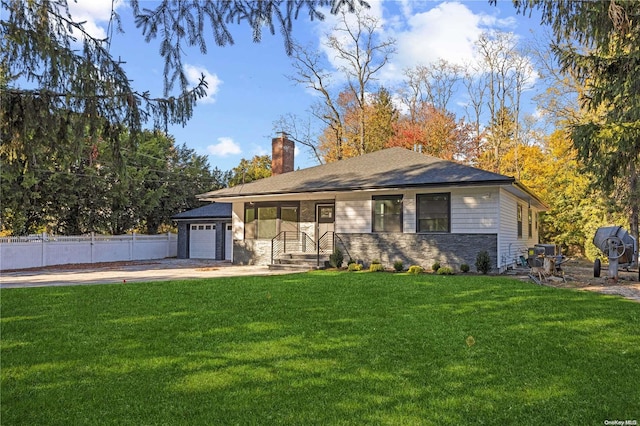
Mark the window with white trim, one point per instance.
(519, 219)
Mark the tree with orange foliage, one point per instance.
(437, 132)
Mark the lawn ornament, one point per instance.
(620, 248)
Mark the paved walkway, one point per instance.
(126, 272)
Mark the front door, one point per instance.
(325, 218)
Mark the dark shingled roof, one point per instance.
(210, 211)
(388, 168)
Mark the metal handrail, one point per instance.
(333, 236)
(344, 246)
(291, 242)
(300, 242)
(321, 243)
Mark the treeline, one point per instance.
(74, 186)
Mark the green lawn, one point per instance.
(319, 348)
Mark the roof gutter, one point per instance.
(522, 187)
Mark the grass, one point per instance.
(318, 348)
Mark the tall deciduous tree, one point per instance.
(311, 71)
(433, 83)
(301, 131)
(358, 53)
(436, 132)
(507, 74)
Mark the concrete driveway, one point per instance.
(127, 272)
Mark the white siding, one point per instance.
(474, 211)
(510, 246)
(353, 214)
(409, 213)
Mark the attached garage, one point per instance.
(204, 233)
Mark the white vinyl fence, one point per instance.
(44, 250)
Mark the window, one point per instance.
(267, 226)
(267, 220)
(387, 213)
(250, 222)
(530, 224)
(289, 219)
(325, 214)
(519, 221)
(434, 212)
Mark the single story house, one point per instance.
(393, 204)
(205, 232)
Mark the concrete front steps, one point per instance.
(298, 262)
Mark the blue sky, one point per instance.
(248, 85)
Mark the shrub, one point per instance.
(464, 268)
(444, 270)
(336, 258)
(483, 262)
(435, 266)
(398, 265)
(355, 267)
(415, 270)
(376, 267)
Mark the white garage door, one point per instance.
(202, 241)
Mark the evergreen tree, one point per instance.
(60, 84)
(380, 118)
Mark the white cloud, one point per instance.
(407, 7)
(193, 76)
(225, 146)
(95, 14)
(326, 29)
(260, 150)
(448, 31)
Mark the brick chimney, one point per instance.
(282, 150)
